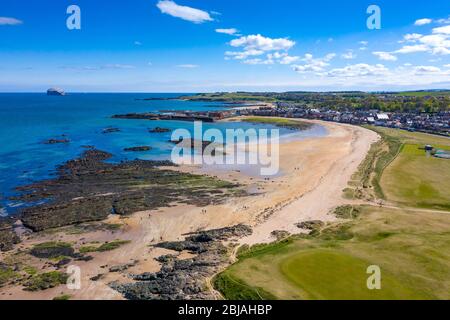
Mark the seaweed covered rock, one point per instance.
(89, 189)
(184, 279)
(8, 238)
(49, 250)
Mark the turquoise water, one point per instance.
(26, 120)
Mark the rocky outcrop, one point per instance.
(8, 237)
(158, 130)
(184, 279)
(138, 149)
(56, 141)
(110, 130)
(89, 189)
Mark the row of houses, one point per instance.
(437, 123)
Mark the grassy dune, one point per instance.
(412, 247)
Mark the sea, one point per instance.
(27, 120)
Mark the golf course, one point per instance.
(398, 219)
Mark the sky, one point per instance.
(224, 45)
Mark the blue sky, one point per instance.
(217, 45)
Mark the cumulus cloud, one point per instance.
(359, 70)
(259, 42)
(8, 21)
(412, 37)
(436, 43)
(312, 64)
(258, 61)
(442, 30)
(385, 56)
(422, 22)
(349, 55)
(240, 55)
(230, 31)
(183, 12)
(257, 45)
(412, 49)
(426, 69)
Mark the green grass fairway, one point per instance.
(333, 275)
(412, 249)
(415, 179)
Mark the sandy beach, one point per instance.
(315, 171)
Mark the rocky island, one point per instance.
(55, 92)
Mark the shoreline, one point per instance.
(316, 170)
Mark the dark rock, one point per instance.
(56, 141)
(184, 279)
(280, 234)
(110, 130)
(158, 130)
(310, 225)
(50, 250)
(8, 237)
(97, 277)
(137, 149)
(137, 116)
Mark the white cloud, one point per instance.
(412, 49)
(240, 55)
(442, 30)
(282, 58)
(422, 22)
(258, 61)
(349, 55)
(314, 64)
(359, 70)
(412, 37)
(364, 43)
(188, 66)
(443, 21)
(256, 45)
(272, 58)
(259, 42)
(385, 56)
(183, 12)
(437, 43)
(230, 31)
(7, 21)
(426, 69)
(447, 66)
